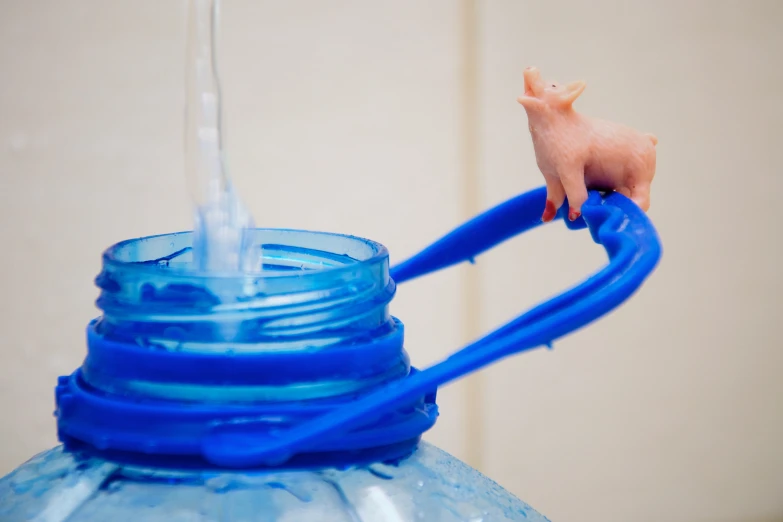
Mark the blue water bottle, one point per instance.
(287, 395)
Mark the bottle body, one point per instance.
(429, 485)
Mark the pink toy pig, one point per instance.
(575, 152)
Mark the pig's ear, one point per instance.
(530, 102)
(572, 91)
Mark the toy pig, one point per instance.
(576, 153)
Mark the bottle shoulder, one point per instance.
(428, 485)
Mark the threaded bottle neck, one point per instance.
(317, 292)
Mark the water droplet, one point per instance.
(302, 496)
(222, 484)
(381, 471)
(20, 488)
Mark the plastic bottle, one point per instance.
(286, 394)
(185, 369)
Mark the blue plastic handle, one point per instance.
(615, 222)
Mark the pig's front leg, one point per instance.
(573, 179)
(555, 195)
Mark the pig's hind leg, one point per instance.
(640, 194)
(640, 180)
(555, 195)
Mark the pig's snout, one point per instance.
(532, 77)
(530, 74)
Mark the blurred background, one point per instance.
(397, 120)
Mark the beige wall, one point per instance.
(395, 121)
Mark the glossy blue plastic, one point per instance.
(615, 222)
(357, 401)
(287, 395)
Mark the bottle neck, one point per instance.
(170, 332)
(192, 369)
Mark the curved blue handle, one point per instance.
(615, 222)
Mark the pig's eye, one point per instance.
(553, 85)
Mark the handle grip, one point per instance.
(615, 222)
